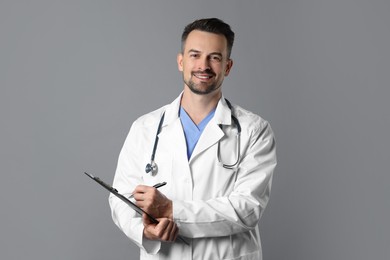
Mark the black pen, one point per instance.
(158, 185)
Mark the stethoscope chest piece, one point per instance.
(151, 168)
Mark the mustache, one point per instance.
(207, 71)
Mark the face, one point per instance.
(204, 62)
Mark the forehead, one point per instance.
(206, 42)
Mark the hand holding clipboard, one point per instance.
(128, 202)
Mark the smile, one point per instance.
(202, 76)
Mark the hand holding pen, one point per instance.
(158, 185)
(156, 204)
(153, 201)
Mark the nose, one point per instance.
(204, 64)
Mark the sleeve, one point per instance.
(127, 177)
(241, 210)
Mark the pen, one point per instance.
(158, 185)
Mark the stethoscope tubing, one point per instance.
(152, 166)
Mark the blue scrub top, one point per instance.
(192, 132)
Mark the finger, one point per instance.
(149, 195)
(146, 206)
(141, 189)
(154, 230)
(166, 235)
(171, 233)
(140, 204)
(176, 234)
(163, 223)
(146, 220)
(149, 227)
(139, 196)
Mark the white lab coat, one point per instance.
(216, 209)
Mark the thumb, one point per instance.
(146, 220)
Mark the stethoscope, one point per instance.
(152, 166)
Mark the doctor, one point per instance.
(216, 157)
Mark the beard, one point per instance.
(201, 88)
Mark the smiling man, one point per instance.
(204, 59)
(216, 157)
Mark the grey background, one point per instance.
(75, 74)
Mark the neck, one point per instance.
(199, 106)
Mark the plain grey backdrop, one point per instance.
(75, 74)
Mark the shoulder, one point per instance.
(149, 119)
(143, 128)
(154, 117)
(249, 120)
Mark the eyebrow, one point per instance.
(213, 53)
(193, 50)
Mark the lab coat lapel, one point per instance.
(176, 135)
(172, 130)
(213, 133)
(210, 136)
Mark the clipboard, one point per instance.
(127, 201)
(123, 198)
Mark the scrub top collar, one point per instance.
(222, 114)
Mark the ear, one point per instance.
(229, 66)
(179, 60)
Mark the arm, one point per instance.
(127, 176)
(240, 210)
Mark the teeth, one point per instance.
(202, 77)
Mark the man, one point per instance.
(218, 184)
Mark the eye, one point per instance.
(216, 58)
(194, 55)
